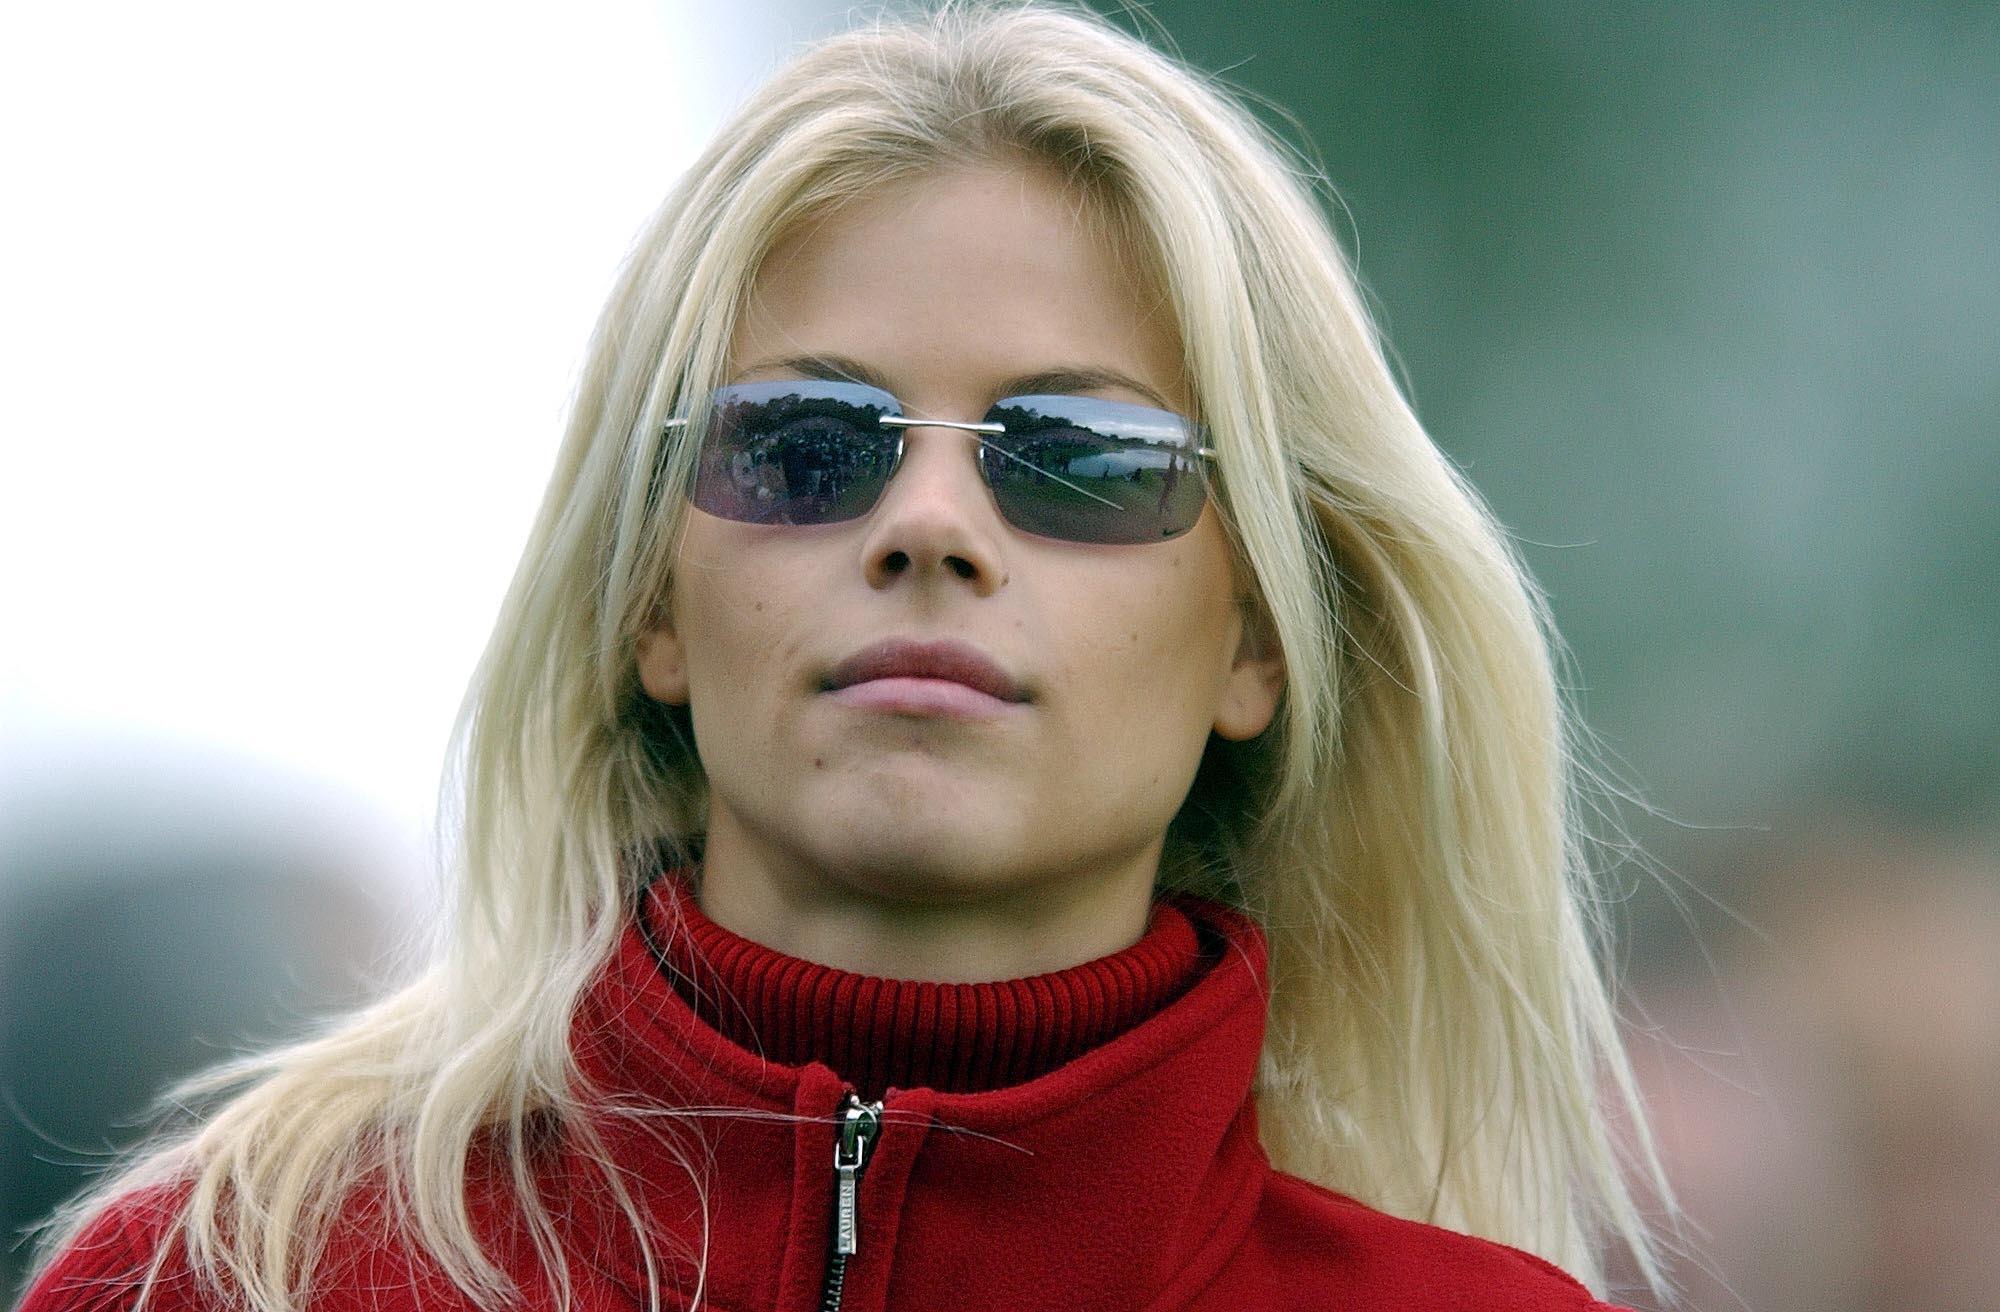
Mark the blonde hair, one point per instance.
(1408, 831)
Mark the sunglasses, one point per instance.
(1069, 467)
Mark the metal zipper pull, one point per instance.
(859, 1125)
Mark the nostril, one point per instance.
(962, 567)
(896, 562)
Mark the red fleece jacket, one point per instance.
(1080, 1140)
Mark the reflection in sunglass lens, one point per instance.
(795, 453)
(1070, 467)
(1085, 470)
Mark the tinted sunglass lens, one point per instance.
(795, 452)
(1087, 470)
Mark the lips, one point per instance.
(901, 659)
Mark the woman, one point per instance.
(1005, 731)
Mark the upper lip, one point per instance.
(903, 658)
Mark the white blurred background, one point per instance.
(294, 300)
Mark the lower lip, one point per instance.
(941, 698)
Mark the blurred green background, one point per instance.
(1703, 298)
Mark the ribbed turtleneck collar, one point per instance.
(1123, 1178)
(881, 1033)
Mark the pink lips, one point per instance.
(949, 679)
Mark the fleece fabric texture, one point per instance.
(1127, 1175)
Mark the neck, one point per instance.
(922, 924)
(884, 1034)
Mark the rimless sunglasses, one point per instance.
(1077, 468)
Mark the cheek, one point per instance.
(736, 623)
(1151, 649)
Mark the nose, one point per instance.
(936, 520)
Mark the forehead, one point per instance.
(955, 280)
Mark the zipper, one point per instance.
(860, 1122)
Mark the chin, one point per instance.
(919, 865)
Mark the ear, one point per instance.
(663, 662)
(1256, 678)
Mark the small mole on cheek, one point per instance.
(759, 606)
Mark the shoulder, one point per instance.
(130, 1256)
(109, 1262)
(130, 1253)
(1324, 1249)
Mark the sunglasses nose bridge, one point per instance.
(905, 422)
(902, 424)
(978, 433)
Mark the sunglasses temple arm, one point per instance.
(1046, 474)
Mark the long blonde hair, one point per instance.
(1408, 832)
